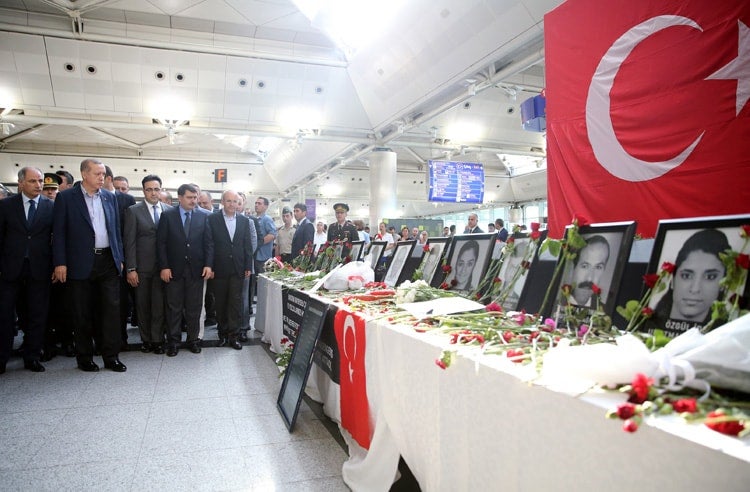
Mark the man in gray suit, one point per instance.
(141, 222)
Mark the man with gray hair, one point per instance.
(472, 227)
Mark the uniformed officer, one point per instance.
(341, 230)
(51, 185)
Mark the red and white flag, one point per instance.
(648, 110)
(355, 409)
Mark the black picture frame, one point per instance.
(512, 262)
(298, 370)
(675, 242)
(619, 239)
(476, 246)
(377, 248)
(401, 253)
(356, 251)
(432, 271)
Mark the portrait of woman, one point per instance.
(467, 257)
(695, 282)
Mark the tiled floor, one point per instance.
(192, 422)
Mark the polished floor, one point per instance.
(203, 421)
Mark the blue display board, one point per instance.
(455, 182)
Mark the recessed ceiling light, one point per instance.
(69, 67)
(91, 69)
(159, 75)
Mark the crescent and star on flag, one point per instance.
(608, 151)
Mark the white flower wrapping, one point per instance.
(720, 358)
(339, 279)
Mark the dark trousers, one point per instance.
(184, 297)
(97, 300)
(247, 307)
(30, 297)
(228, 294)
(210, 300)
(125, 293)
(59, 323)
(150, 306)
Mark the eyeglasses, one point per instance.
(151, 190)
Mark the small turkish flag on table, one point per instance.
(355, 413)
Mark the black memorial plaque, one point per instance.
(295, 377)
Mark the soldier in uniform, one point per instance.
(51, 185)
(341, 230)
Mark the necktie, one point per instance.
(32, 212)
(156, 215)
(187, 224)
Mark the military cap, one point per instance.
(52, 180)
(340, 207)
(286, 210)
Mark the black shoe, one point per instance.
(172, 351)
(88, 366)
(2, 368)
(33, 366)
(146, 347)
(48, 353)
(158, 349)
(243, 336)
(115, 365)
(236, 345)
(195, 347)
(69, 350)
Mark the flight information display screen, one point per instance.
(455, 182)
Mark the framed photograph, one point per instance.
(469, 259)
(432, 261)
(401, 253)
(600, 263)
(377, 248)
(693, 247)
(356, 251)
(512, 267)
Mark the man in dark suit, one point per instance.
(502, 232)
(185, 252)
(25, 266)
(472, 227)
(119, 186)
(87, 254)
(305, 232)
(233, 262)
(141, 223)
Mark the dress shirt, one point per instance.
(98, 221)
(231, 222)
(27, 204)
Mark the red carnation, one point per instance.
(685, 405)
(525, 265)
(723, 424)
(493, 306)
(650, 279)
(626, 411)
(426, 248)
(668, 267)
(508, 335)
(445, 286)
(535, 235)
(743, 261)
(567, 289)
(496, 280)
(516, 355)
(745, 230)
(647, 312)
(596, 289)
(440, 363)
(630, 425)
(446, 269)
(511, 240)
(641, 387)
(535, 226)
(454, 282)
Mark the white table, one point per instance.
(477, 426)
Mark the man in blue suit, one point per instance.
(305, 232)
(88, 255)
(25, 266)
(185, 253)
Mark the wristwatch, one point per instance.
(131, 270)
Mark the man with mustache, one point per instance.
(588, 268)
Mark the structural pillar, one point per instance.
(383, 182)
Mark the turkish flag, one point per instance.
(355, 408)
(648, 115)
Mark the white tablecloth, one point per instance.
(477, 426)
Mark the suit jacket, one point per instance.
(305, 234)
(177, 252)
(231, 256)
(140, 237)
(73, 232)
(16, 238)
